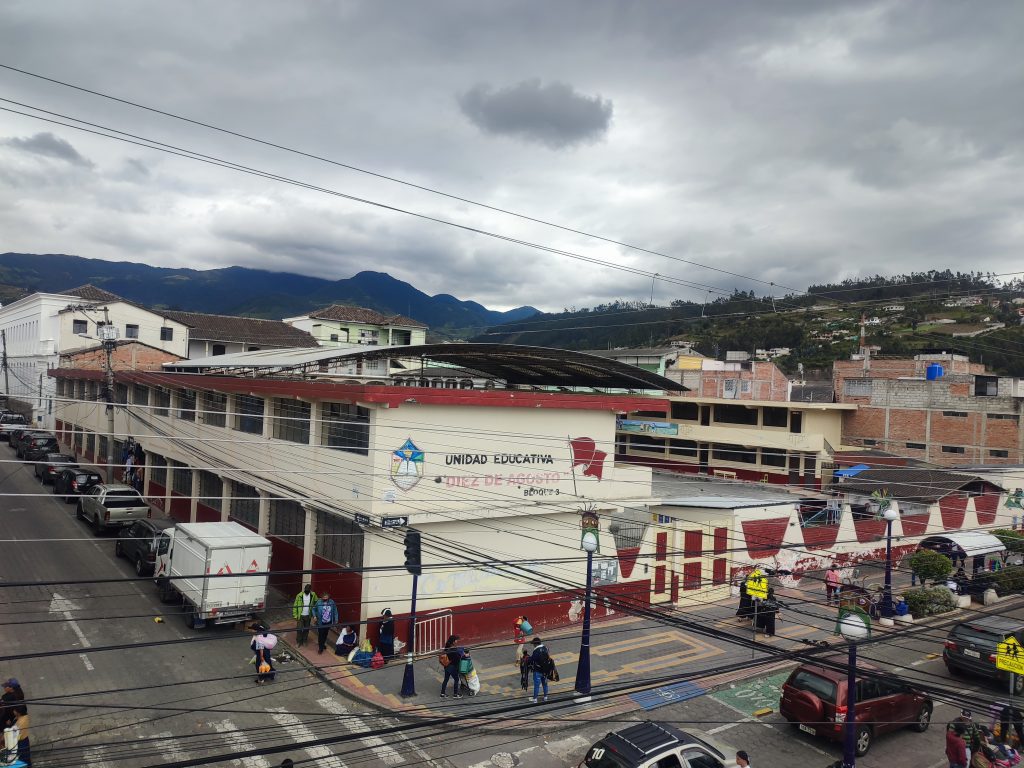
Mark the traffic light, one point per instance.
(413, 563)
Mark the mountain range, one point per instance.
(244, 291)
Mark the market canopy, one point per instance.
(970, 543)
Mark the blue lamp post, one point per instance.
(890, 516)
(854, 625)
(590, 544)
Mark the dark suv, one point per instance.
(72, 483)
(50, 465)
(814, 700)
(138, 542)
(971, 648)
(28, 437)
(37, 447)
(650, 744)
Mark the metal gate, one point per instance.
(433, 630)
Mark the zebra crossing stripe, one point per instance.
(239, 742)
(384, 752)
(300, 733)
(168, 748)
(93, 757)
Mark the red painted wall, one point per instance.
(986, 506)
(869, 530)
(285, 557)
(205, 514)
(156, 496)
(820, 536)
(346, 589)
(181, 507)
(953, 508)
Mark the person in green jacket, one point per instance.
(302, 612)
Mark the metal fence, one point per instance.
(432, 630)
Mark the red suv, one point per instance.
(814, 700)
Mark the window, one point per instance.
(158, 470)
(187, 404)
(121, 394)
(161, 401)
(1002, 416)
(952, 449)
(735, 414)
(955, 414)
(997, 453)
(339, 540)
(699, 759)
(682, 447)
(140, 395)
(79, 326)
(245, 505)
(773, 457)
(868, 441)
(131, 331)
(345, 427)
(693, 543)
(219, 349)
(986, 386)
(857, 387)
(91, 390)
(166, 334)
(647, 443)
(291, 420)
(368, 336)
(287, 520)
(401, 338)
(249, 416)
(181, 478)
(215, 405)
(334, 337)
(684, 411)
(737, 453)
(90, 441)
(210, 490)
(101, 448)
(775, 417)
(917, 446)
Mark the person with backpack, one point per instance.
(540, 664)
(262, 644)
(326, 614)
(450, 659)
(768, 611)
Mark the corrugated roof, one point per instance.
(90, 292)
(636, 352)
(905, 484)
(247, 330)
(349, 314)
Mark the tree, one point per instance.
(930, 565)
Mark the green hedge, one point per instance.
(928, 601)
(1010, 580)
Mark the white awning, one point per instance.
(970, 542)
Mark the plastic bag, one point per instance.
(362, 658)
(473, 682)
(264, 668)
(399, 645)
(366, 645)
(267, 641)
(353, 654)
(377, 660)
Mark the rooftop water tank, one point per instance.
(934, 371)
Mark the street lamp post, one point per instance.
(853, 626)
(890, 515)
(590, 544)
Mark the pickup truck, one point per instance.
(9, 422)
(217, 571)
(111, 505)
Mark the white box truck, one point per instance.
(217, 570)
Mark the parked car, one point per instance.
(111, 505)
(814, 700)
(16, 432)
(50, 465)
(649, 744)
(28, 436)
(10, 422)
(38, 446)
(73, 482)
(971, 648)
(138, 543)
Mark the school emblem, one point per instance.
(407, 465)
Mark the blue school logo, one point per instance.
(407, 465)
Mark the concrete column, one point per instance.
(225, 499)
(229, 412)
(314, 423)
(194, 501)
(264, 521)
(268, 422)
(145, 473)
(308, 541)
(168, 485)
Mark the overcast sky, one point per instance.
(792, 142)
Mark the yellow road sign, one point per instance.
(757, 585)
(1010, 656)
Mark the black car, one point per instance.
(51, 464)
(26, 437)
(137, 542)
(73, 482)
(9, 422)
(35, 448)
(971, 648)
(16, 431)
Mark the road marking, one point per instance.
(919, 662)
(387, 754)
(562, 749)
(93, 757)
(238, 741)
(300, 733)
(64, 607)
(898, 669)
(168, 747)
(727, 726)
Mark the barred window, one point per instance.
(346, 427)
(210, 490)
(78, 439)
(158, 469)
(215, 406)
(121, 394)
(181, 478)
(291, 420)
(857, 387)
(187, 404)
(287, 521)
(118, 448)
(245, 505)
(90, 390)
(80, 390)
(61, 384)
(249, 414)
(140, 395)
(101, 446)
(339, 540)
(162, 401)
(773, 457)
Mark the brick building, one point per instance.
(966, 416)
(744, 380)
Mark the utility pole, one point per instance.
(108, 335)
(7, 381)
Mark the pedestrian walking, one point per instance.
(262, 644)
(348, 639)
(540, 665)
(524, 669)
(12, 696)
(767, 613)
(956, 747)
(742, 760)
(24, 747)
(326, 614)
(521, 627)
(832, 585)
(302, 612)
(386, 635)
(450, 660)
(746, 609)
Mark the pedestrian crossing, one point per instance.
(278, 727)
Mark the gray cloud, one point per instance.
(554, 115)
(48, 145)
